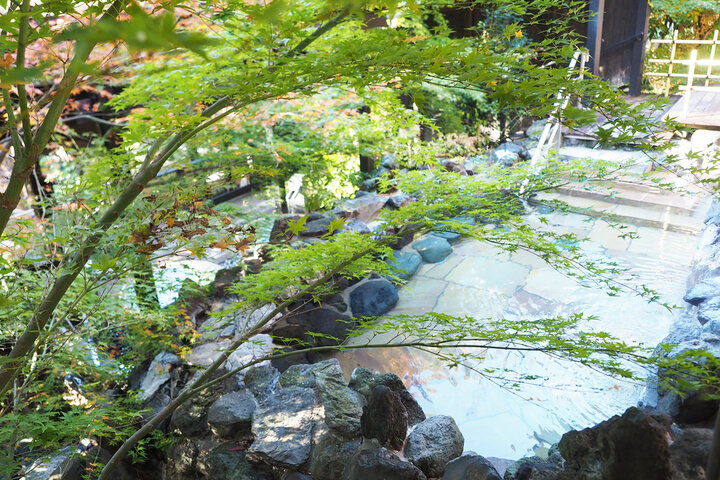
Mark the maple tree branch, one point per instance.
(24, 163)
(20, 64)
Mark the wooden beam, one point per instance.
(642, 20)
(594, 35)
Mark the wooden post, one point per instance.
(672, 59)
(712, 58)
(594, 35)
(638, 50)
(691, 78)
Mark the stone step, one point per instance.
(661, 218)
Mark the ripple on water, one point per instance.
(477, 281)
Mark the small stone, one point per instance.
(433, 249)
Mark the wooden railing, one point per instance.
(692, 63)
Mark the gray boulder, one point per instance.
(433, 443)
(343, 406)
(373, 298)
(283, 425)
(433, 249)
(364, 381)
(191, 417)
(157, 375)
(509, 154)
(385, 418)
(405, 264)
(355, 226)
(470, 466)
(709, 310)
(702, 291)
(689, 453)
(534, 468)
(389, 161)
(227, 461)
(231, 415)
(314, 228)
(261, 380)
(330, 454)
(634, 445)
(378, 463)
(364, 206)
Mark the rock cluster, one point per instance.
(308, 422)
(697, 327)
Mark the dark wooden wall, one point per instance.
(617, 32)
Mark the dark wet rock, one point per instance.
(433, 443)
(373, 298)
(283, 425)
(470, 466)
(282, 364)
(231, 415)
(330, 454)
(364, 381)
(261, 380)
(634, 445)
(689, 453)
(534, 468)
(158, 374)
(291, 475)
(509, 154)
(225, 278)
(191, 416)
(433, 249)
(343, 406)
(375, 462)
(228, 461)
(323, 320)
(405, 264)
(385, 418)
(337, 302)
(701, 292)
(316, 227)
(183, 456)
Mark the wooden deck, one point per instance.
(703, 111)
